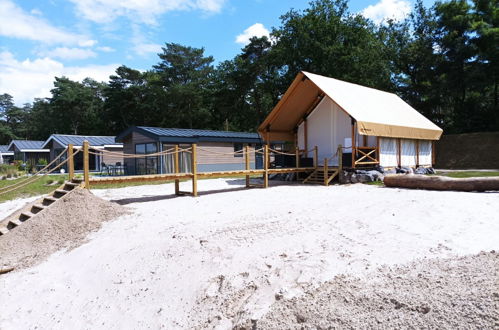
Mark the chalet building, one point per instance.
(373, 127)
(28, 151)
(6, 155)
(57, 143)
(214, 149)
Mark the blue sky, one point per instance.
(79, 38)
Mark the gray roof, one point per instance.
(4, 149)
(26, 144)
(77, 140)
(191, 135)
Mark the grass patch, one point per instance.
(375, 183)
(40, 187)
(469, 174)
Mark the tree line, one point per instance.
(443, 60)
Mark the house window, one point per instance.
(146, 165)
(238, 147)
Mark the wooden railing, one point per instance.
(366, 156)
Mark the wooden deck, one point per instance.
(188, 176)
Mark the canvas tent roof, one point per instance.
(377, 113)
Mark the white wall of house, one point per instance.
(327, 127)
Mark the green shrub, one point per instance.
(61, 181)
(6, 169)
(4, 177)
(19, 165)
(9, 175)
(49, 181)
(42, 161)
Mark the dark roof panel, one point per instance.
(192, 133)
(27, 144)
(77, 140)
(4, 149)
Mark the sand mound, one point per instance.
(438, 293)
(65, 224)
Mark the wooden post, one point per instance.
(316, 157)
(340, 157)
(86, 165)
(353, 144)
(378, 151)
(247, 161)
(194, 171)
(417, 153)
(399, 152)
(266, 166)
(433, 153)
(305, 136)
(176, 168)
(325, 172)
(71, 163)
(297, 156)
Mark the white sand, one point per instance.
(165, 265)
(8, 207)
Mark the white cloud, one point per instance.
(87, 43)
(106, 49)
(36, 12)
(256, 30)
(27, 79)
(69, 53)
(16, 23)
(144, 11)
(144, 49)
(387, 9)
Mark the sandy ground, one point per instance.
(64, 225)
(224, 258)
(9, 207)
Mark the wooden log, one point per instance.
(442, 183)
(6, 270)
(71, 163)
(86, 165)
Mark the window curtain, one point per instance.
(388, 152)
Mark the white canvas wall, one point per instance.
(327, 127)
(301, 136)
(408, 152)
(425, 148)
(388, 152)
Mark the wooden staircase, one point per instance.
(319, 175)
(40, 205)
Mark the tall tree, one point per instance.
(185, 74)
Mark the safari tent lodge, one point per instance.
(372, 127)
